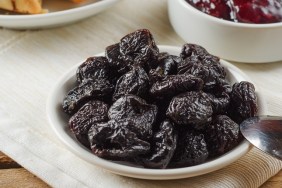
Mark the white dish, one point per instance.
(60, 14)
(59, 123)
(242, 42)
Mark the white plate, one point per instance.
(61, 13)
(59, 122)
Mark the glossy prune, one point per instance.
(222, 135)
(116, 62)
(167, 64)
(116, 140)
(243, 101)
(139, 48)
(198, 62)
(222, 86)
(90, 89)
(164, 111)
(162, 148)
(134, 82)
(137, 110)
(191, 150)
(193, 50)
(175, 84)
(190, 109)
(92, 112)
(93, 68)
(219, 104)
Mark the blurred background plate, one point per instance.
(59, 13)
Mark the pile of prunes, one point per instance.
(154, 109)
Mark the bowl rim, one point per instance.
(143, 173)
(189, 7)
(58, 13)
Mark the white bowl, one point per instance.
(249, 43)
(54, 19)
(59, 122)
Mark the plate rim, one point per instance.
(143, 173)
(57, 13)
(54, 19)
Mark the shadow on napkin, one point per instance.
(58, 167)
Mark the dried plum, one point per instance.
(219, 104)
(198, 62)
(130, 105)
(175, 84)
(93, 68)
(190, 108)
(134, 82)
(243, 101)
(167, 64)
(222, 135)
(191, 150)
(162, 148)
(136, 109)
(90, 89)
(221, 86)
(92, 112)
(139, 48)
(155, 109)
(115, 140)
(193, 50)
(116, 62)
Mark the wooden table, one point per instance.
(13, 175)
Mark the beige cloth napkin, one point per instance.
(58, 167)
(32, 61)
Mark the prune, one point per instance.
(116, 62)
(164, 111)
(139, 48)
(134, 82)
(222, 86)
(190, 108)
(191, 150)
(175, 84)
(136, 109)
(92, 112)
(198, 62)
(243, 101)
(162, 148)
(193, 50)
(222, 135)
(115, 140)
(219, 104)
(167, 64)
(90, 89)
(93, 68)
(162, 108)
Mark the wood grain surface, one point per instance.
(12, 175)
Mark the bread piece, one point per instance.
(29, 6)
(7, 5)
(26, 6)
(22, 6)
(77, 1)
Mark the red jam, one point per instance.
(246, 11)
